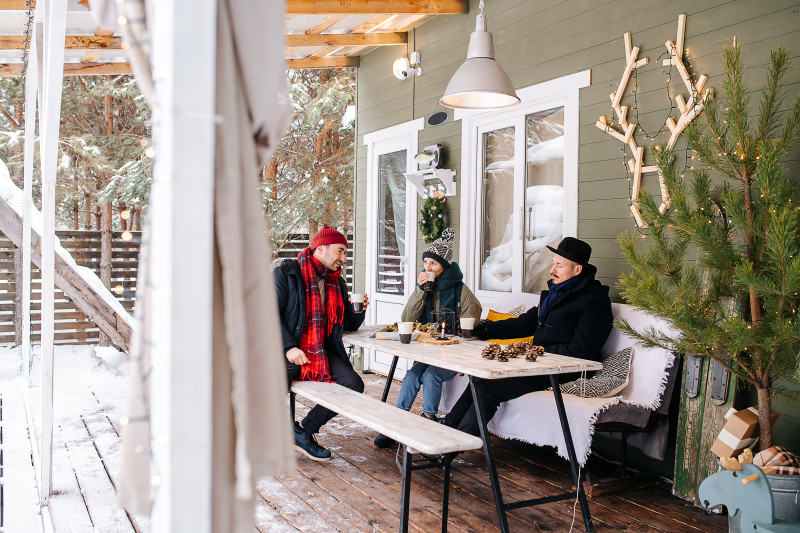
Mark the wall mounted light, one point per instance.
(480, 83)
(405, 67)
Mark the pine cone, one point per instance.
(492, 351)
(534, 352)
(516, 349)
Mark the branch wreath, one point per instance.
(431, 223)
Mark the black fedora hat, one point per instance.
(573, 249)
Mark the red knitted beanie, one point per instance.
(328, 235)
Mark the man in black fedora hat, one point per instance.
(573, 318)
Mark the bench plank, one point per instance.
(414, 431)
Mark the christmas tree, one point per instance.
(723, 264)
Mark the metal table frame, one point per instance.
(501, 506)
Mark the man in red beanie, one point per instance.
(315, 309)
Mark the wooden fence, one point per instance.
(71, 325)
(298, 242)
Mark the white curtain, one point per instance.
(252, 432)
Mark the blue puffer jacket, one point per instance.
(291, 292)
(577, 324)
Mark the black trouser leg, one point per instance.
(342, 372)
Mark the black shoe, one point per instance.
(306, 443)
(382, 441)
(433, 418)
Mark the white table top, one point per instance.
(466, 357)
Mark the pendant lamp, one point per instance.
(480, 83)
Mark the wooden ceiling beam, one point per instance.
(353, 7)
(322, 62)
(347, 39)
(72, 42)
(74, 69)
(335, 7)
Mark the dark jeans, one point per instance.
(492, 393)
(342, 372)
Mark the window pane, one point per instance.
(498, 202)
(544, 194)
(391, 221)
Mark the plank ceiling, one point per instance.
(319, 33)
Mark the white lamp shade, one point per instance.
(480, 83)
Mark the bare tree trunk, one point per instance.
(16, 170)
(105, 256)
(123, 222)
(764, 412)
(313, 229)
(88, 222)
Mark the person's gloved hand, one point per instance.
(479, 330)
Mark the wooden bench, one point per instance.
(418, 435)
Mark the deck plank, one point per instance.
(526, 472)
(98, 491)
(20, 508)
(295, 510)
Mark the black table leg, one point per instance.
(389, 379)
(573, 462)
(405, 496)
(487, 450)
(446, 495)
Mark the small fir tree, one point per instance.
(723, 264)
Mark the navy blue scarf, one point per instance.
(448, 285)
(558, 291)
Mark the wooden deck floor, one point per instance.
(358, 490)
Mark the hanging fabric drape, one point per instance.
(252, 436)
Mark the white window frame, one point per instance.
(564, 91)
(399, 137)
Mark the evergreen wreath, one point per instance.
(431, 223)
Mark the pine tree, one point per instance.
(309, 181)
(723, 264)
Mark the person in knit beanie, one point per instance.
(448, 292)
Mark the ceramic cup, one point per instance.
(429, 284)
(466, 327)
(405, 329)
(357, 299)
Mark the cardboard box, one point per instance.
(740, 432)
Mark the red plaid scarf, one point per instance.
(318, 324)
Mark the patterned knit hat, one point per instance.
(441, 250)
(328, 235)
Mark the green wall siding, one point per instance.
(536, 41)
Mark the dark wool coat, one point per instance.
(577, 325)
(291, 290)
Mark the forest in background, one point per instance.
(105, 157)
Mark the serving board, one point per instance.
(432, 340)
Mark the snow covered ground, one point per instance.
(90, 393)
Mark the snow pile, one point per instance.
(16, 199)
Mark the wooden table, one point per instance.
(465, 358)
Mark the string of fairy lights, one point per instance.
(695, 98)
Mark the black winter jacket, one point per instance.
(291, 290)
(577, 325)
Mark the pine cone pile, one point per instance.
(493, 351)
(512, 351)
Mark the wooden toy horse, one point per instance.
(744, 487)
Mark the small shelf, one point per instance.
(433, 179)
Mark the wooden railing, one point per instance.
(71, 324)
